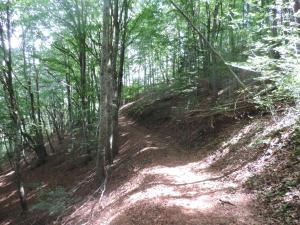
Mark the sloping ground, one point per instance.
(156, 180)
(278, 187)
(191, 116)
(55, 174)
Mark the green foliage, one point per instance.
(275, 53)
(297, 151)
(262, 141)
(297, 140)
(54, 201)
(131, 92)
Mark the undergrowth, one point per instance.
(54, 201)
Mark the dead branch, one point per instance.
(223, 202)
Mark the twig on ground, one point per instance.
(223, 202)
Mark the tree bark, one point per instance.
(40, 145)
(122, 52)
(10, 97)
(104, 89)
(115, 108)
(296, 9)
(35, 112)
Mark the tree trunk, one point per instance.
(40, 145)
(115, 108)
(104, 89)
(122, 52)
(296, 9)
(69, 94)
(10, 97)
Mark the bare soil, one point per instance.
(155, 180)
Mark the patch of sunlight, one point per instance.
(10, 203)
(106, 220)
(179, 174)
(83, 209)
(257, 166)
(5, 183)
(289, 119)
(147, 149)
(9, 174)
(124, 134)
(213, 157)
(291, 195)
(7, 223)
(37, 191)
(190, 198)
(111, 139)
(7, 197)
(208, 202)
(156, 191)
(242, 133)
(123, 191)
(188, 175)
(126, 106)
(202, 202)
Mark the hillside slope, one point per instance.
(157, 180)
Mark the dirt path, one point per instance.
(155, 182)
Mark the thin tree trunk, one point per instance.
(13, 107)
(40, 145)
(104, 89)
(296, 9)
(115, 107)
(122, 52)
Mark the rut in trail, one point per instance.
(154, 181)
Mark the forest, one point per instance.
(149, 112)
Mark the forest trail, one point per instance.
(155, 181)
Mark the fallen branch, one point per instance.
(223, 202)
(220, 107)
(213, 112)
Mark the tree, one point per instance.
(10, 97)
(105, 90)
(35, 107)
